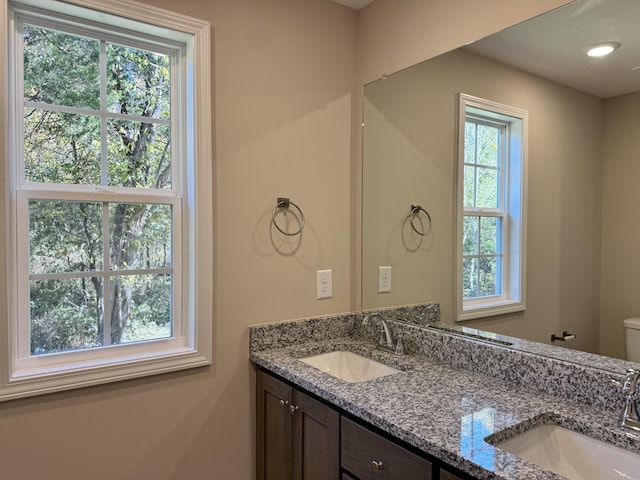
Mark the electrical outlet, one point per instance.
(384, 279)
(324, 284)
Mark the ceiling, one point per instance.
(355, 4)
(554, 46)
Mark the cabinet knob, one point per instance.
(377, 465)
(292, 409)
(284, 403)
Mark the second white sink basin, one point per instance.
(349, 366)
(573, 455)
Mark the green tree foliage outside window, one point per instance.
(482, 255)
(97, 114)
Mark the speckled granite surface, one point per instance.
(452, 393)
(416, 314)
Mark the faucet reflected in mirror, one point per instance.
(630, 419)
(582, 165)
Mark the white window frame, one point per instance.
(512, 210)
(191, 344)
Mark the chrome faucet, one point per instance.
(630, 416)
(430, 314)
(386, 341)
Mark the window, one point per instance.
(107, 219)
(491, 214)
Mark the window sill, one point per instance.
(59, 378)
(490, 310)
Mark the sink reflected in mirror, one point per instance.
(349, 366)
(573, 455)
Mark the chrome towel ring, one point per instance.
(286, 203)
(415, 211)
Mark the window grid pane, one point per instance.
(470, 277)
(488, 150)
(65, 142)
(139, 82)
(470, 241)
(139, 154)
(488, 276)
(482, 234)
(483, 154)
(490, 235)
(469, 142)
(469, 186)
(61, 147)
(64, 237)
(69, 309)
(145, 308)
(482, 256)
(71, 78)
(487, 189)
(140, 236)
(482, 276)
(65, 314)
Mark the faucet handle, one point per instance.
(632, 375)
(431, 313)
(630, 385)
(399, 345)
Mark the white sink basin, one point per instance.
(349, 366)
(573, 455)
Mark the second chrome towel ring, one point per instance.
(414, 212)
(286, 203)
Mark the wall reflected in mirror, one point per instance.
(583, 212)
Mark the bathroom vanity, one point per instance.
(452, 400)
(299, 433)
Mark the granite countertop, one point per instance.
(433, 404)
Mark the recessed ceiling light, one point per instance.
(603, 49)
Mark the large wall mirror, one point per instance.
(583, 208)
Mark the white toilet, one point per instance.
(632, 336)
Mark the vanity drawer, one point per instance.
(369, 456)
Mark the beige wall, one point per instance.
(284, 101)
(397, 34)
(620, 222)
(409, 157)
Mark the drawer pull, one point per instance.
(377, 465)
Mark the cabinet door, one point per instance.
(316, 442)
(445, 475)
(273, 428)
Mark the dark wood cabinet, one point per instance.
(370, 456)
(274, 427)
(301, 438)
(297, 436)
(446, 475)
